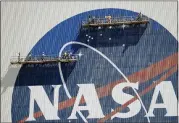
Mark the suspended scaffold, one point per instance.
(65, 58)
(114, 21)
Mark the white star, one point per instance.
(80, 54)
(99, 27)
(123, 26)
(101, 34)
(109, 38)
(86, 35)
(43, 54)
(110, 27)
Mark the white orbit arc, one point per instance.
(105, 57)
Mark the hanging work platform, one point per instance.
(115, 21)
(43, 59)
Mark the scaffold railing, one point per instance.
(110, 21)
(41, 59)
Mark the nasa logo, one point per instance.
(123, 74)
(89, 94)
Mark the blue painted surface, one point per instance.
(146, 45)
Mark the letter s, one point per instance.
(120, 97)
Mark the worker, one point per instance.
(108, 19)
(29, 57)
(19, 57)
(70, 55)
(43, 55)
(89, 19)
(65, 55)
(139, 17)
(93, 20)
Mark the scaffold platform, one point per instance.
(41, 60)
(115, 21)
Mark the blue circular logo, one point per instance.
(145, 53)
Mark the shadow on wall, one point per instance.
(9, 79)
(111, 36)
(43, 74)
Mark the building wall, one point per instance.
(24, 23)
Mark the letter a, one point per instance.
(166, 90)
(92, 102)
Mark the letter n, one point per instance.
(39, 95)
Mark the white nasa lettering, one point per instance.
(170, 102)
(39, 95)
(92, 102)
(93, 106)
(120, 97)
